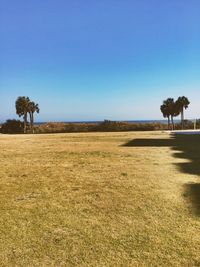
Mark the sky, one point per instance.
(96, 60)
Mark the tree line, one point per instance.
(171, 109)
(27, 108)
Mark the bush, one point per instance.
(59, 127)
(12, 127)
(188, 125)
(116, 126)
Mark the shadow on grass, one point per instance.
(185, 147)
(150, 142)
(192, 192)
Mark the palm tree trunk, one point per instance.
(182, 119)
(25, 122)
(172, 119)
(168, 121)
(32, 122)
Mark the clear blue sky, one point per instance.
(94, 60)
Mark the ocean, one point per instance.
(129, 121)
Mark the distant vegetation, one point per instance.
(171, 109)
(106, 126)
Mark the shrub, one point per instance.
(12, 127)
(188, 125)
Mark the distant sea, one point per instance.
(130, 121)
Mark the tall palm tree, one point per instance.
(182, 103)
(170, 110)
(166, 113)
(32, 108)
(21, 106)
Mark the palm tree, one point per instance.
(21, 106)
(32, 108)
(170, 110)
(165, 111)
(182, 103)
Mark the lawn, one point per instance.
(100, 199)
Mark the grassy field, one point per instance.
(100, 199)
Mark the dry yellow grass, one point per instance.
(88, 200)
